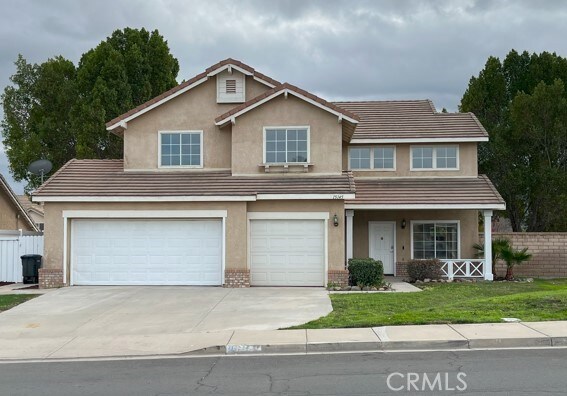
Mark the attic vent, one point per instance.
(230, 86)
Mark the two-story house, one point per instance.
(233, 178)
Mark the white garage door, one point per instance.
(146, 252)
(287, 252)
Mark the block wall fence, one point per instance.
(548, 250)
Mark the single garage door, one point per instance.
(146, 252)
(287, 252)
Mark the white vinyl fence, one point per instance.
(11, 248)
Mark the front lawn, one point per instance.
(450, 303)
(11, 300)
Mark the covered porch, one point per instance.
(398, 220)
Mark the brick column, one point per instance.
(50, 278)
(338, 277)
(236, 278)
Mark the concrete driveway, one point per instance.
(151, 310)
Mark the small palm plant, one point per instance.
(498, 245)
(514, 257)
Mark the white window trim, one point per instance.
(160, 166)
(286, 128)
(458, 222)
(434, 161)
(372, 168)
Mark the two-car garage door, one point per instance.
(146, 252)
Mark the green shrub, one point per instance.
(424, 269)
(365, 272)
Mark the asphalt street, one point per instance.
(514, 372)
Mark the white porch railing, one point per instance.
(463, 268)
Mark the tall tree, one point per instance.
(498, 97)
(36, 115)
(539, 134)
(57, 111)
(127, 69)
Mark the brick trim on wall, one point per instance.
(338, 277)
(50, 278)
(402, 269)
(236, 278)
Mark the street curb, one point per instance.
(380, 346)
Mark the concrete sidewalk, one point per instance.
(387, 338)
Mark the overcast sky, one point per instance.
(336, 49)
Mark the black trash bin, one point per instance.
(31, 263)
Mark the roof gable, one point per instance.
(286, 89)
(7, 190)
(121, 121)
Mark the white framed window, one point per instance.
(180, 149)
(434, 157)
(435, 239)
(286, 145)
(378, 158)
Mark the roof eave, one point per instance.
(283, 91)
(464, 206)
(355, 140)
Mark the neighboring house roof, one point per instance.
(426, 193)
(285, 89)
(28, 205)
(411, 121)
(120, 121)
(7, 190)
(107, 178)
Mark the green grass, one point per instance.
(11, 300)
(449, 303)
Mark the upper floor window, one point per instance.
(286, 145)
(381, 158)
(184, 149)
(434, 157)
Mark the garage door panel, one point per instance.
(137, 252)
(287, 252)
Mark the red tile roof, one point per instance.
(426, 191)
(411, 119)
(108, 178)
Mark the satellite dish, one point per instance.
(40, 168)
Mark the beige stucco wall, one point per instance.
(335, 234)
(235, 221)
(467, 162)
(248, 135)
(196, 109)
(468, 229)
(10, 217)
(236, 225)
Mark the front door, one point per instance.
(382, 243)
